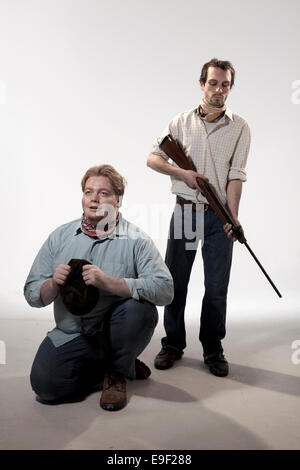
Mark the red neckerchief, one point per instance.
(91, 229)
(87, 227)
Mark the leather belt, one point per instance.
(183, 202)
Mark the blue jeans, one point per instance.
(217, 256)
(75, 368)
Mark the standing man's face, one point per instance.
(217, 86)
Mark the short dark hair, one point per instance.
(221, 64)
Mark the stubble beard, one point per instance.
(217, 102)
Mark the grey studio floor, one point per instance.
(256, 407)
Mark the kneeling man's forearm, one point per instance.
(93, 276)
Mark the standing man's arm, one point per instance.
(158, 160)
(159, 164)
(233, 193)
(237, 175)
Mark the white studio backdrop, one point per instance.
(86, 82)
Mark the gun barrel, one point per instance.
(263, 270)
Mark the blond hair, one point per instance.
(117, 181)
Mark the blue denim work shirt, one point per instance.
(126, 253)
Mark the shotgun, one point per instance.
(175, 151)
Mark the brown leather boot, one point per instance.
(217, 364)
(166, 358)
(142, 371)
(113, 396)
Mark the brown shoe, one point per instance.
(217, 364)
(166, 358)
(113, 396)
(142, 371)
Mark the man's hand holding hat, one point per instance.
(93, 276)
(61, 273)
(50, 288)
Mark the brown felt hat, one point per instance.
(77, 297)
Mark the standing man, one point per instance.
(218, 143)
(104, 276)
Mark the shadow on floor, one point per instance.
(159, 424)
(269, 380)
(159, 390)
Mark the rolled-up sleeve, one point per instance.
(173, 128)
(240, 155)
(154, 282)
(41, 270)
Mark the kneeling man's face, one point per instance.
(98, 192)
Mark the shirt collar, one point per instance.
(228, 113)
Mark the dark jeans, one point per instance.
(73, 369)
(217, 256)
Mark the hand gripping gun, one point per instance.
(175, 151)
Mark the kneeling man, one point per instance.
(105, 277)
